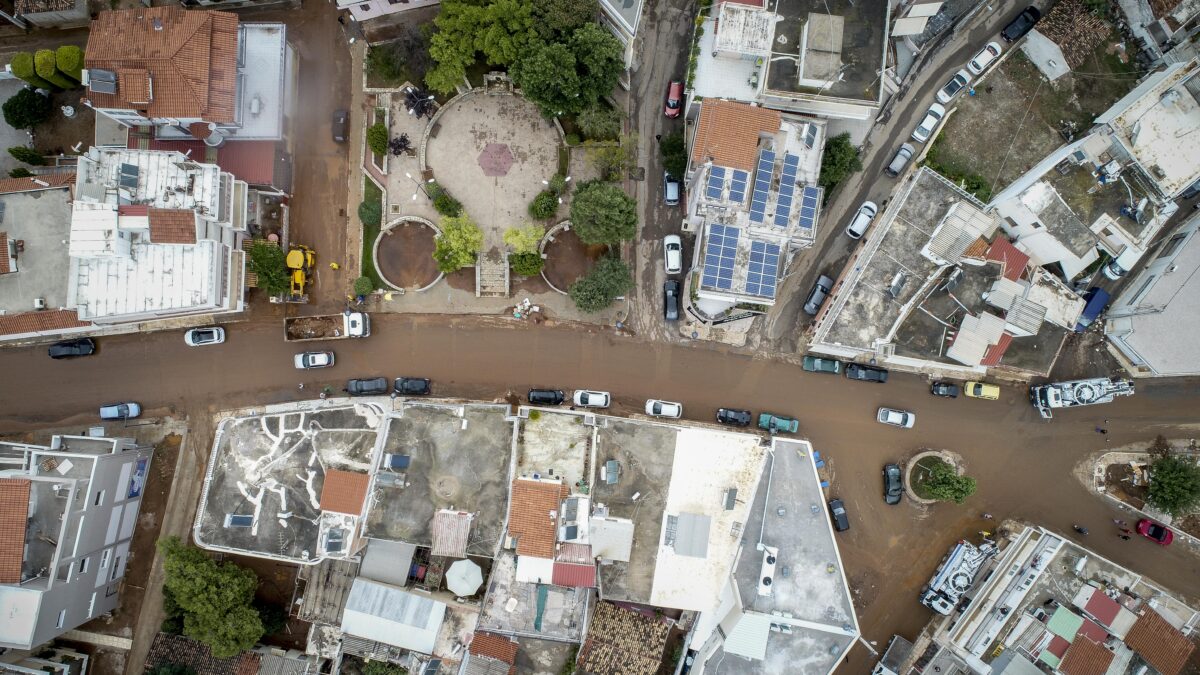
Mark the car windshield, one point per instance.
(673, 103)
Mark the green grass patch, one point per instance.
(959, 175)
(370, 232)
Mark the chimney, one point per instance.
(158, 24)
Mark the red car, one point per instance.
(1155, 532)
(674, 100)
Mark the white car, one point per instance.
(673, 253)
(585, 398)
(933, 117)
(955, 86)
(861, 221)
(986, 57)
(657, 408)
(896, 418)
(307, 360)
(199, 337)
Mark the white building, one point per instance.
(67, 516)
(154, 235)
(362, 10)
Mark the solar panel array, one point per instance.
(718, 257)
(810, 201)
(737, 186)
(787, 189)
(716, 182)
(764, 267)
(762, 186)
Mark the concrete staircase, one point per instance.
(491, 275)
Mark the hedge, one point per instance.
(69, 59)
(22, 67)
(44, 64)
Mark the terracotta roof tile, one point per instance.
(36, 322)
(1085, 658)
(5, 260)
(133, 86)
(995, 352)
(623, 641)
(729, 131)
(575, 553)
(450, 533)
(495, 646)
(190, 58)
(177, 650)
(344, 491)
(172, 226)
(574, 575)
(1014, 260)
(199, 130)
(34, 183)
(1164, 648)
(14, 512)
(529, 519)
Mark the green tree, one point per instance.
(452, 47)
(19, 172)
(1174, 484)
(385, 63)
(613, 160)
(508, 27)
(526, 264)
(216, 598)
(544, 205)
(839, 161)
(524, 239)
(603, 214)
(599, 59)
(370, 212)
(363, 286)
(557, 19)
(44, 63)
(600, 121)
(27, 155)
(674, 154)
(383, 668)
(269, 262)
(274, 618)
(443, 202)
(459, 243)
(22, 67)
(546, 75)
(377, 138)
(607, 281)
(946, 485)
(69, 60)
(26, 109)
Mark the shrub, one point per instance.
(524, 239)
(573, 139)
(385, 62)
(19, 172)
(443, 202)
(944, 484)
(363, 286)
(69, 60)
(370, 212)
(26, 109)
(535, 415)
(44, 64)
(377, 138)
(1174, 484)
(607, 281)
(838, 161)
(526, 264)
(558, 184)
(22, 67)
(544, 205)
(600, 121)
(27, 155)
(459, 243)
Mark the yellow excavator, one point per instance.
(301, 260)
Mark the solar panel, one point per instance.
(763, 269)
(762, 186)
(716, 183)
(719, 255)
(810, 201)
(810, 136)
(737, 186)
(783, 207)
(790, 160)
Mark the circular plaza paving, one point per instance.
(404, 254)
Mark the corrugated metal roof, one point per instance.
(574, 575)
(392, 616)
(388, 561)
(749, 637)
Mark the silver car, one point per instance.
(896, 418)
(929, 124)
(307, 360)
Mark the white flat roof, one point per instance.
(157, 278)
(156, 178)
(261, 83)
(19, 611)
(745, 30)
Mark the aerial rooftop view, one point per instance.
(495, 337)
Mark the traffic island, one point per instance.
(923, 467)
(568, 259)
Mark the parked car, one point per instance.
(72, 348)
(734, 417)
(986, 57)
(862, 220)
(1155, 532)
(585, 398)
(412, 386)
(120, 411)
(674, 104)
(955, 86)
(199, 337)
(1097, 301)
(837, 511)
(657, 408)
(370, 386)
(982, 390)
(857, 371)
(901, 160)
(896, 418)
(778, 423)
(546, 397)
(307, 360)
(817, 364)
(893, 484)
(929, 124)
(1191, 191)
(1021, 25)
(818, 294)
(671, 300)
(341, 125)
(1121, 264)
(944, 389)
(673, 253)
(670, 189)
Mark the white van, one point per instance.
(1122, 264)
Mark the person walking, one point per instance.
(1120, 523)
(1124, 537)
(987, 516)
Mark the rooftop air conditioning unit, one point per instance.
(39, 303)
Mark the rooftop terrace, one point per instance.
(513, 607)
(828, 47)
(41, 221)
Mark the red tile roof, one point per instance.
(344, 491)
(251, 161)
(1014, 261)
(198, 148)
(995, 352)
(176, 650)
(133, 86)
(133, 209)
(1104, 608)
(574, 575)
(33, 183)
(190, 58)
(1058, 646)
(575, 553)
(1092, 630)
(37, 322)
(5, 260)
(728, 133)
(172, 226)
(1164, 648)
(14, 513)
(529, 515)
(494, 646)
(1085, 658)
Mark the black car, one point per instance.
(837, 511)
(734, 417)
(412, 386)
(546, 396)
(1021, 25)
(72, 348)
(893, 484)
(944, 389)
(856, 371)
(816, 297)
(671, 300)
(341, 125)
(373, 386)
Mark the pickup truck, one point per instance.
(327, 327)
